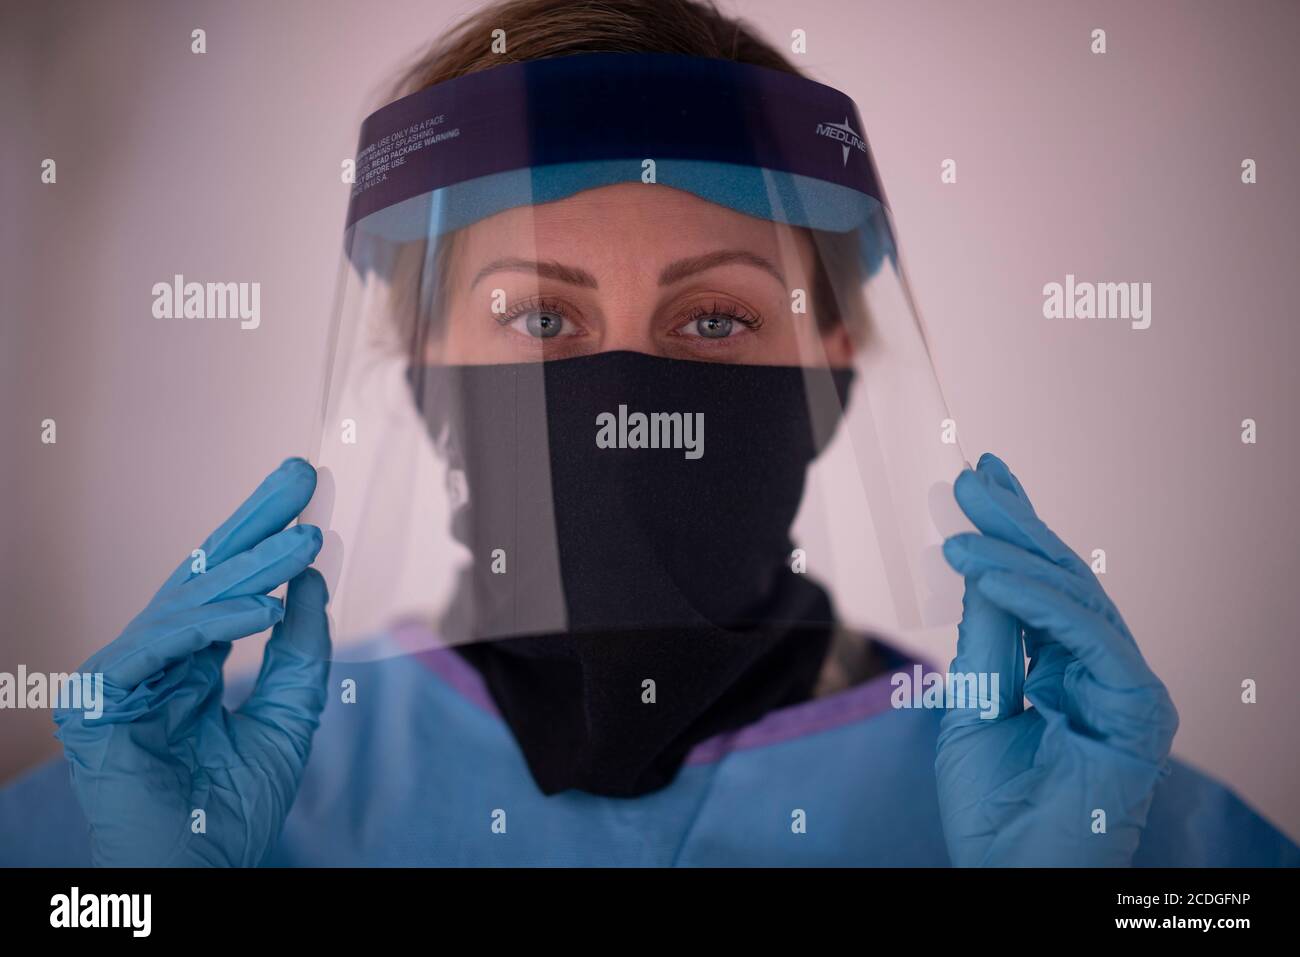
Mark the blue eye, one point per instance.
(713, 327)
(543, 325)
(718, 320)
(540, 319)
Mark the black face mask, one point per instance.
(647, 591)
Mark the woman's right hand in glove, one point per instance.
(167, 776)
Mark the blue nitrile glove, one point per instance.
(164, 746)
(1030, 786)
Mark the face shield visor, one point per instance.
(623, 347)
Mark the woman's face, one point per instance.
(643, 268)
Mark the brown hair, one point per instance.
(545, 29)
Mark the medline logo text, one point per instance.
(846, 135)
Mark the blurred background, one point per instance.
(1121, 167)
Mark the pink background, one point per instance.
(1122, 167)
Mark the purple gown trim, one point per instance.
(853, 704)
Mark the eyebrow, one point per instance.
(547, 270)
(684, 268)
(672, 273)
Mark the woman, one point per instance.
(628, 333)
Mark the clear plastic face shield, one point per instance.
(623, 347)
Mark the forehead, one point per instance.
(627, 219)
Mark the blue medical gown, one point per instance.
(420, 768)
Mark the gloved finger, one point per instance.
(273, 505)
(1089, 637)
(997, 471)
(1001, 514)
(1141, 721)
(988, 643)
(973, 554)
(265, 566)
(1045, 673)
(291, 687)
(212, 659)
(152, 643)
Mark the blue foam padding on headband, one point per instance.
(765, 194)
